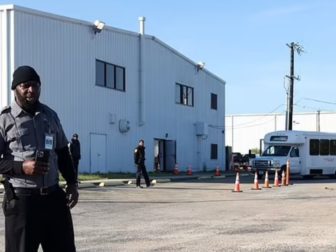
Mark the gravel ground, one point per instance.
(205, 215)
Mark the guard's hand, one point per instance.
(72, 195)
(34, 168)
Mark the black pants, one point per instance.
(34, 220)
(141, 169)
(75, 164)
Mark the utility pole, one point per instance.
(290, 95)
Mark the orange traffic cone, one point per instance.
(287, 172)
(189, 171)
(266, 183)
(283, 178)
(256, 184)
(176, 170)
(276, 179)
(237, 184)
(217, 172)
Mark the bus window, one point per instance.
(314, 147)
(332, 147)
(294, 152)
(324, 147)
(275, 150)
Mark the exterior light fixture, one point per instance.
(200, 66)
(98, 26)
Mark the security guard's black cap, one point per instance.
(24, 74)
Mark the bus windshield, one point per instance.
(276, 150)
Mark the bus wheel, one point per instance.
(334, 176)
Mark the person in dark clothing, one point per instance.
(33, 150)
(75, 151)
(139, 160)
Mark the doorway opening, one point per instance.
(164, 155)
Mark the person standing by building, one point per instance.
(139, 160)
(33, 149)
(75, 151)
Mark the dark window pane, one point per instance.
(190, 97)
(178, 93)
(314, 147)
(100, 73)
(184, 95)
(214, 151)
(214, 101)
(120, 78)
(295, 152)
(324, 147)
(110, 76)
(332, 147)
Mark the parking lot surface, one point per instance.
(205, 215)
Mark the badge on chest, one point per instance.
(49, 142)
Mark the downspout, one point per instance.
(4, 60)
(11, 58)
(7, 52)
(141, 70)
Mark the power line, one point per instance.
(314, 108)
(320, 101)
(256, 120)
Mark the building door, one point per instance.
(165, 154)
(97, 153)
(170, 154)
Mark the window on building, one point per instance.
(213, 101)
(324, 147)
(214, 151)
(100, 73)
(314, 147)
(184, 95)
(120, 78)
(110, 75)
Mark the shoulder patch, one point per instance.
(135, 150)
(6, 109)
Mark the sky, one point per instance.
(243, 42)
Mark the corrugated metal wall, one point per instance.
(64, 52)
(164, 69)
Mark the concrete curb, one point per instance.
(131, 181)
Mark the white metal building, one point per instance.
(244, 132)
(115, 87)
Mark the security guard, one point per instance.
(139, 160)
(33, 149)
(75, 151)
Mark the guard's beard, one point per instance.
(27, 104)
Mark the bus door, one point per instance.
(295, 160)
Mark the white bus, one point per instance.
(310, 153)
